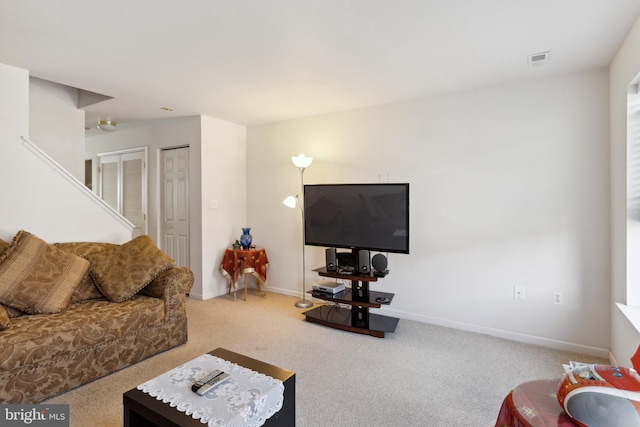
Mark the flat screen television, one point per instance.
(358, 216)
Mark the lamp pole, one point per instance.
(302, 162)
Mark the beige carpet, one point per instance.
(421, 375)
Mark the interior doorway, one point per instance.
(174, 204)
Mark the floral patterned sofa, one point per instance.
(74, 312)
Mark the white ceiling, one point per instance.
(257, 61)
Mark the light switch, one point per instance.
(214, 204)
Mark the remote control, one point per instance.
(196, 386)
(212, 383)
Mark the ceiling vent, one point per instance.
(538, 59)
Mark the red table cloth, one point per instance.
(241, 261)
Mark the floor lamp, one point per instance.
(301, 162)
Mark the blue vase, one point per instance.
(245, 239)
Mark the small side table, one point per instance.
(533, 404)
(245, 261)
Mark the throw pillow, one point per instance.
(5, 321)
(37, 277)
(122, 271)
(86, 290)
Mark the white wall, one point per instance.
(34, 196)
(223, 163)
(509, 186)
(56, 125)
(624, 69)
(14, 104)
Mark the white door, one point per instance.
(123, 185)
(174, 204)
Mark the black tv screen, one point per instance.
(358, 216)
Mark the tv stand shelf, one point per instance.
(357, 319)
(345, 297)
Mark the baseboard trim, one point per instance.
(194, 295)
(288, 292)
(501, 333)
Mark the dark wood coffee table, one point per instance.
(143, 410)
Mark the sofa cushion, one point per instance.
(86, 289)
(36, 277)
(5, 321)
(120, 272)
(34, 339)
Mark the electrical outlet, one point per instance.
(557, 298)
(518, 292)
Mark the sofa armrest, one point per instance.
(171, 286)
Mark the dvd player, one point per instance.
(330, 287)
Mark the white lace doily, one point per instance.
(247, 398)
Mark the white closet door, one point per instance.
(110, 181)
(133, 189)
(123, 185)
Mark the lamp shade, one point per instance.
(302, 161)
(290, 202)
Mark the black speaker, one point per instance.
(345, 259)
(364, 261)
(379, 262)
(330, 256)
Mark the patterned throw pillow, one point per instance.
(36, 277)
(122, 271)
(86, 290)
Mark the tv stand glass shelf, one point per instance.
(357, 319)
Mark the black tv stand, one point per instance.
(357, 319)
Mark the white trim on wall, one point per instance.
(82, 189)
